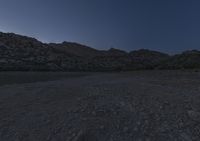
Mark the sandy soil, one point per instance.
(131, 106)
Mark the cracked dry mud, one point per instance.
(131, 106)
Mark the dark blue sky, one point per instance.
(164, 25)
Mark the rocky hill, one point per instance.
(186, 60)
(21, 53)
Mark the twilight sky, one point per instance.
(164, 25)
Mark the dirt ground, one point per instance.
(128, 106)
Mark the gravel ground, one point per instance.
(130, 106)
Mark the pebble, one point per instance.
(135, 129)
(147, 139)
(122, 103)
(185, 137)
(194, 115)
(102, 127)
(94, 113)
(138, 123)
(125, 129)
(166, 102)
(83, 110)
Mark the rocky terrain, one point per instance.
(186, 60)
(131, 106)
(21, 53)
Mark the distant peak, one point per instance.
(65, 42)
(115, 50)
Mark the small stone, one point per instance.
(84, 119)
(181, 124)
(194, 115)
(93, 113)
(164, 128)
(185, 137)
(147, 139)
(138, 123)
(48, 137)
(115, 112)
(122, 103)
(102, 127)
(146, 122)
(83, 110)
(135, 129)
(166, 102)
(74, 110)
(79, 99)
(125, 129)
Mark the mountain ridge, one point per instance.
(22, 53)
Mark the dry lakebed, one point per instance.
(119, 106)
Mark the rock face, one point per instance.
(21, 53)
